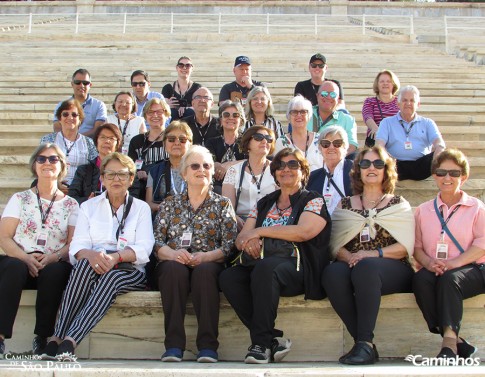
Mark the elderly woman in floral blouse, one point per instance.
(194, 232)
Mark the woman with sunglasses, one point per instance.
(165, 178)
(249, 180)
(284, 249)
(179, 94)
(112, 243)
(125, 117)
(78, 149)
(383, 105)
(194, 232)
(372, 241)
(35, 232)
(333, 180)
(226, 148)
(298, 114)
(259, 111)
(450, 251)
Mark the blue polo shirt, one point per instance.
(94, 110)
(422, 132)
(339, 118)
(141, 105)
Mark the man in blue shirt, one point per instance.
(140, 82)
(414, 141)
(95, 113)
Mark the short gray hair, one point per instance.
(301, 102)
(408, 88)
(196, 149)
(335, 130)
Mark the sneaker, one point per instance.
(50, 351)
(207, 356)
(258, 355)
(65, 352)
(465, 349)
(173, 354)
(2, 349)
(38, 345)
(280, 347)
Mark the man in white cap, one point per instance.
(238, 90)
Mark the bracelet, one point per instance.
(381, 253)
(120, 259)
(59, 256)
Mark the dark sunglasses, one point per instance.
(51, 159)
(196, 167)
(65, 114)
(314, 65)
(141, 84)
(292, 165)
(79, 82)
(453, 173)
(337, 143)
(172, 139)
(261, 137)
(325, 94)
(227, 114)
(378, 164)
(186, 66)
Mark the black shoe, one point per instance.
(38, 345)
(2, 349)
(446, 353)
(376, 354)
(50, 351)
(361, 354)
(258, 355)
(465, 349)
(65, 352)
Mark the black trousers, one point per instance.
(175, 282)
(440, 298)
(355, 293)
(415, 170)
(254, 293)
(14, 277)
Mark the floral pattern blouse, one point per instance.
(213, 224)
(24, 206)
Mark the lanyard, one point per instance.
(43, 216)
(199, 126)
(192, 214)
(408, 131)
(182, 186)
(306, 144)
(126, 210)
(143, 149)
(444, 227)
(123, 132)
(255, 180)
(68, 150)
(445, 222)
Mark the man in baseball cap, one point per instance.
(238, 90)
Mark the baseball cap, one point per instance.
(318, 56)
(242, 60)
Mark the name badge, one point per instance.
(328, 198)
(408, 145)
(186, 239)
(122, 243)
(124, 149)
(441, 250)
(139, 164)
(42, 238)
(365, 234)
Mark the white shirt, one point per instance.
(328, 188)
(133, 129)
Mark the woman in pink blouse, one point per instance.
(450, 249)
(383, 105)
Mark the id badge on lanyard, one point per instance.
(365, 234)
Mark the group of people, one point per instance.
(236, 204)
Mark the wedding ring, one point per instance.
(96, 265)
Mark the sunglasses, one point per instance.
(122, 175)
(261, 137)
(65, 114)
(172, 139)
(314, 65)
(455, 173)
(337, 143)
(51, 159)
(140, 84)
(298, 112)
(292, 165)
(196, 167)
(79, 82)
(227, 114)
(325, 94)
(186, 66)
(378, 164)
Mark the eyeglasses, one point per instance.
(298, 112)
(261, 137)
(122, 175)
(158, 112)
(205, 165)
(186, 66)
(207, 98)
(65, 114)
(325, 94)
(141, 84)
(378, 164)
(107, 138)
(337, 143)
(315, 65)
(172, 139)
(455, 173)
(51, 159)
(292, 165)
(227, 114)
(79, 82)
(124, 103)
